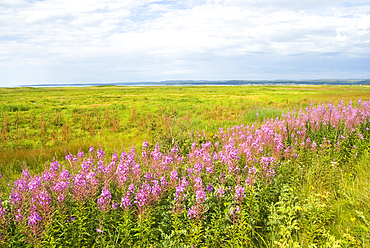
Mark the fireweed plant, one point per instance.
(236, 189)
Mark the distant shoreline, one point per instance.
(216, 83)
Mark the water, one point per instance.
(215, 83)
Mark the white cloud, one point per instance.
(160, 37)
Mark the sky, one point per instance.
(96, 41)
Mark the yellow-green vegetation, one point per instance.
(38, 124)
(315, 192)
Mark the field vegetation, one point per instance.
(256, 166)
(37, 124)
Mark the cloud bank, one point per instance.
(83, 41)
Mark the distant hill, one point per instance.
(219, 82)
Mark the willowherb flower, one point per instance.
(64, 175)
(18, 216)
(86, 164)
(34, 219)
(198, 182)
(215, 156)
(136, 169)
(123, 168)
(207, 145)
(239, 192)
(44, 198)
(104, 199)
(193, 146)
(156, 154)
(164, 182)
(60, 186)
(114, 157)
(100, 153)
(80, 180)
(99, 230)
(174, 175)
(61, 198)
(114, 205)
(314, 145)
(287, 151)
(26, 174)
(209, 188)
(131, 188)
(15, 198)
(271, 172)
(109, 167)
(69, 157)
(198, 167)
(156, 189)
(193, 212)
(248, 181)
(80, 154)
(91, 149)
(148, 175)
(209, 169)
(200, 196)
(91, 178)
(175, 149)
(222, 175)
(167, 160)
(34, 184)
(21, 184)
(125, 202)
(220, 192)
(235, 210)
(101, 167)
(179, 194)
(48, 176)
(54, 166)
(184, 182)
(140, 198)
(252, 170)
(266, 161)
(207, 159)
(145, 144)
(189, 171)
(147, 190)
(2, 209)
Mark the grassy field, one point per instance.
(305, 196)
(38, 124)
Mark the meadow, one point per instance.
(248, 166)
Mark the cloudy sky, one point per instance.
(95, 41)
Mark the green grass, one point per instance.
(37, 124)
